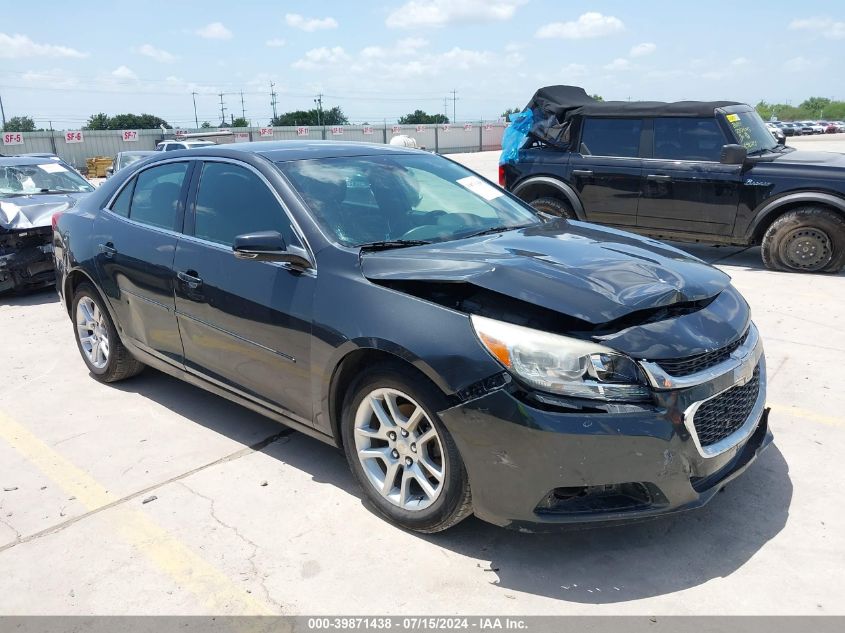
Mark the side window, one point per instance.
(611, 137)
(687, 139)
(232, 200)
(158, 190)
(121, 203)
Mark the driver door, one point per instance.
(245, 325)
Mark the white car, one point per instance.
(817, 129)
(776, 132)
(169, 146)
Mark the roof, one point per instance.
(298, 150)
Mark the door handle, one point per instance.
(108, 249)
(582, 172)
(659, 177)
(192, 281)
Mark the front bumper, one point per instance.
(26, 259)
(531, 463)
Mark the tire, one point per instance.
(555, 207)
(809, 239)
(408, 504)
(113, 361)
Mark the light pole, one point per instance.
(196, 120)
(319, 102)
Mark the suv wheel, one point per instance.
(97, 339)
(809, 239)
(401, 454)
(554, 206)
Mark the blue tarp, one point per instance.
(515, 135)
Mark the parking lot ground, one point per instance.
(151, 496)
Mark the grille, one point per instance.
(716, 419)
(693, 364)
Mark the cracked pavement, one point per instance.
(79, 459)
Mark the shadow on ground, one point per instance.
(599, 565)
(41, 296)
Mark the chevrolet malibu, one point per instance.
(467, 354)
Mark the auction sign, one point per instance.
(73, 136)
(337, 130)
(12, 138)
(265, 132)
(129, 136)
(368, 129)
(302, 131)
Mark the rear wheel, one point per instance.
(97, 339)
(555, 207)
(401, 454)
(809, 239)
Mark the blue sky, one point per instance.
(380, 59)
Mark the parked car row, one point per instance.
(799, 128)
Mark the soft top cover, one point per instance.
(553, 108)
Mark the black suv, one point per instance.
(693, 171)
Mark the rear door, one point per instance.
(606, 170)
(245, 325)
(685, 188)
(136, 238)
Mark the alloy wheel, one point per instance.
(400, 449)
(93, 333)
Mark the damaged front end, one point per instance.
(26, 259)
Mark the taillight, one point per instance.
(501, 175)
(56, 217)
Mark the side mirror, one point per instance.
(109, 172)
(733, 155)
(268, 246)
(782, 140)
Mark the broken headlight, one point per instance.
(560, 364)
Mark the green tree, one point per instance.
(205, 125)
(507, 113)
(815, 105)
(97, 122)
(420, 116)
(332, 116)
(240, 122)
(597, 97)
(20, 124)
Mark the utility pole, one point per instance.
(446, 107)
(196, 119)
(454, 99)
(2, 112)
(319, 102)
(222, 110)
(243, 109)
(273, 99)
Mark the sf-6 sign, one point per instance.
(73, 136)
(12, 138)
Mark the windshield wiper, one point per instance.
(57, 191)
(495, 229)
(385, 244)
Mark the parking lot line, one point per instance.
(828, 420)
(211, 586)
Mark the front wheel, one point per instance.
(97, 339)
(401, 454)
(555, 207)
(809, 239)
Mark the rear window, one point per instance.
(611, 137)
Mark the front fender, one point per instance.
(773, 207)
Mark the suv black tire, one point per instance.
(555, 207)
(120, 363)
(809, 239)
(454, 501)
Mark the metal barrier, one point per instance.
(77, 146)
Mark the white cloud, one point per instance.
(157, 54)
(402, 48)
(620, 63)
(589, 25)
(214, 31)
(434, 13)
(573, 71)
(798, 64)
(828, 27)
(17, 46)
(57, 78)
(123, 72)
(321, 58)
(740, 61)
(275, 42)
(641, 50)
(309, 25)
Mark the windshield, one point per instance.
(52, 177)
(425, 198)
(127, 159)
(751, 132)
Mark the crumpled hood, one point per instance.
(593, 273)
(28, 212)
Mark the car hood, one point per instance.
(28, 212)
(800, 157)
(592, 273)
